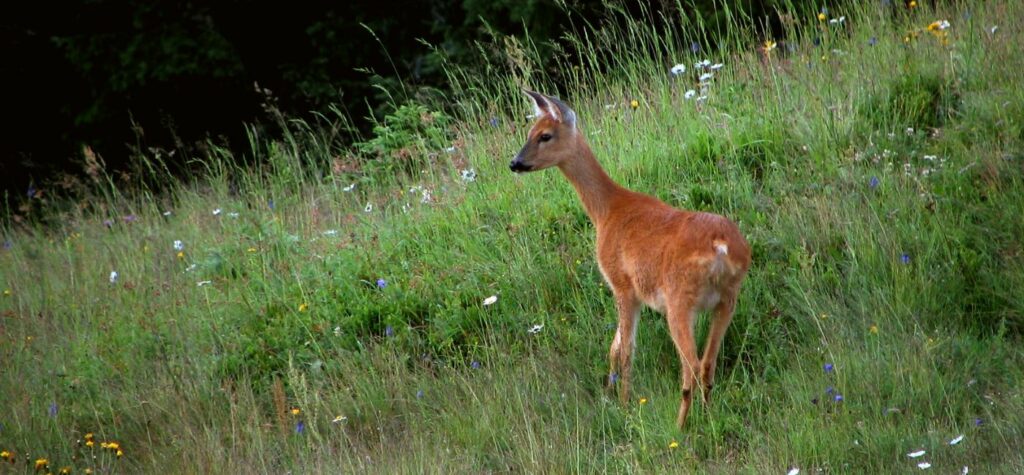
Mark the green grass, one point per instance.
(193, 378)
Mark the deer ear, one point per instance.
(565, 113)
(540, 103)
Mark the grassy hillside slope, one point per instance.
(275, 318)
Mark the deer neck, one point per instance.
(594, 187)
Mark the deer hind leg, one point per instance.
(680, 324)
(719, 323)
(621, 353)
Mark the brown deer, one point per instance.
(677, 262)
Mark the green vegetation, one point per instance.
(875, 166)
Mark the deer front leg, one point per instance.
(680, 323)
(621, 353)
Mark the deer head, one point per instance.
(553, 138)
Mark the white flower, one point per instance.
(368, 208)
(702, 99)
(924, 465)
(337, 331)
(113, 277)
(965, 470)
(450, 149)
(838, 21)
(330, 232)
(678, 69)
(490, 300)
(535, 329)
(930, 158)
(426, 197)
(909, 131)
(957, 440)
(689, 94)
(339, 419)
(190, 268)
(203, 283)
(716, 66)
(793, 471)
(468, 175)
(943, 24)
(917, 454)
(167, 213)
(702, 64)
(706, 77)
(232, 215)
(992, 31)
(216, 212)
(178, 245)
(349, 187)
(609, 106)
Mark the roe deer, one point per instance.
(677, 262)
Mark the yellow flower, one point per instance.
(821, 17)
(120, 453)
(89, 443)
(88, 471)
(7, 455)
(41, 464)
(89, 436)
(673, 444)
(252, 249)
(873, 329)
(643, 401)
(303, 307)
(912, 4)
(634, 103)
(111, 445)
(296, 411)
(181, 254)
(7, 292)
(65, 470)
(769, 45)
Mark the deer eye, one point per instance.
(545, 137)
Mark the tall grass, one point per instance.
(878, 180)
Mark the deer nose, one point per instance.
(517, 166)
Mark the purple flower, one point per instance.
(108, 223)
(978, 421)
(419, 394)
(613, 378)
(905, 258)
(694, 47)
(53, 409)
(389, 331)
(494, 121)
(474, 365)
(381, 283)
(131, 218)
(838, 398)
(300, 427)
(270, 204)
(873, 183)
(8, 244)
(873, 41)
(830, 390)
(828, 367)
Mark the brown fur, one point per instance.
(676, 262)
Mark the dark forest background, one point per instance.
(121, 76)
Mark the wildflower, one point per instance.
(113, 276)
(873, 329)
(232, 215)
(303, 307)
(793, 471)
(419, 394)
(916, 454)
(702, 64)
(474, 364)
(905, 258)
(108, 223)
(381, 283)
(978, 422)
(7, 456)
(957, 440)
(769, 45)
(216, 212)
(300, 427)
(716, 66)
(828, 367)
(468, 175)
(494, 122)
(837, 21)
(938, 25)
(368, 208)
(52, 411)
(535, 329)
(389, 331)
(706, 77)
(821, 17)
(270, 204)
(838, 398)
(912, 4)
(31, 192)
(295, 411)
(8, 244)
(872, 41)
(830, 390)
(89, 443)
(490, 300)
(923, 465)
(349, 188)
(613, 378)
(643, 401)
(65, 470)
(112, 445)
(178, 245)
(180, 255)
(634, 103)
(689, 94)
(992, 30)
(964, 471)
(673, 444)
(119, 453)
(451, 149)
(42, 464)
(678, 69)
(694, 47)
(339, 419)
(203, 283)
(330, 232)
(87, 471)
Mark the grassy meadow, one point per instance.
(309, 308)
